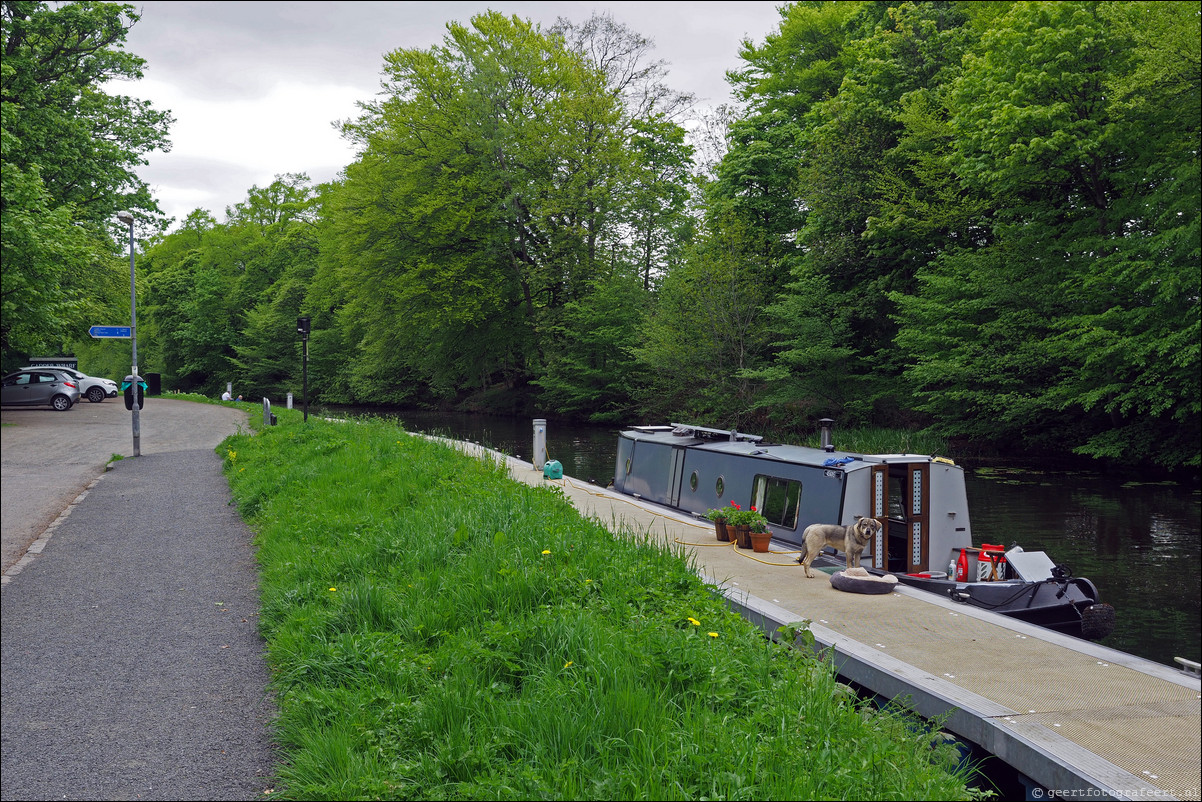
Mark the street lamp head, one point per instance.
(125, 217)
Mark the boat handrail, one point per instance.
(703, 432)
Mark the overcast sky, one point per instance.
(256, 86)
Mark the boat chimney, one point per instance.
(827, 442)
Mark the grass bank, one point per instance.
(437, 630)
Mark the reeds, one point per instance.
(439, 631)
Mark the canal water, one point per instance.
(1140, 543)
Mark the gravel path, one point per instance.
(130, 661)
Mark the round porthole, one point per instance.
(719, 487)
(693, 482)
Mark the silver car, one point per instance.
(93, 388)
(32, 388)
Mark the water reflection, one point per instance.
(1141, 544)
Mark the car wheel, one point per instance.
(61, 403)
(95, 394)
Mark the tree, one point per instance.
(1075, 321)
(704, 340)
(221, 300)
(493, 194)
(594, 367)
(69, 155)
(810, 169)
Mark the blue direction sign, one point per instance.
(110, 331)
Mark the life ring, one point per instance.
(858, 580)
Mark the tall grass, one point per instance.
(439, 631)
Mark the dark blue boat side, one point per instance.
(920, 501)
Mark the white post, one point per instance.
(289, 401)
(540, 443)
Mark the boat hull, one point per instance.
(1069, 606)
(919, 500)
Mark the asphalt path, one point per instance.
(130, 661)
(48, 458)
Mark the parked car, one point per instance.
(31, 388)
(94, 388)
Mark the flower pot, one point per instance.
(760, 541)
(743, 536)
(721, 531)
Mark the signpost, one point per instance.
(120, 332)
(135, 401)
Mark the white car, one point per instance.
(94, 388)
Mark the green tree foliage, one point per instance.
(979, 216)
(595, 367)
(502, 182)
(1077, 322)
(805, 175)
(69, 155)
(994, 204)
(220, 301)
(704, 340)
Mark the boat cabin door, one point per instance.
(900, 498)
(677, 476)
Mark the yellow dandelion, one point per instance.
(332, 590)
(713, 634)
(694, 621)
(565, 665)
(546, 551)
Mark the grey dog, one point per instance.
(850, 540)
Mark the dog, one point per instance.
(850, 540)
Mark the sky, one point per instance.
(256, 87)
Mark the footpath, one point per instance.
(130, 661)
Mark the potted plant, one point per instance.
(720, 517)
(742, 520)
(760, 534)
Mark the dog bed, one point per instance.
(858, 580)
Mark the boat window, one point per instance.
(693, 482)
(777, 499)
(897, 509)
(719, 487)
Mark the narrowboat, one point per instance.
(925, 539)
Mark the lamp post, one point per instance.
(128, 219)
(302, 327)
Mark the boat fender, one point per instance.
(1097, 621)
(858, 580)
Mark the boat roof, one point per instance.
(734, 442)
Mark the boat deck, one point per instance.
(1076, 717)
